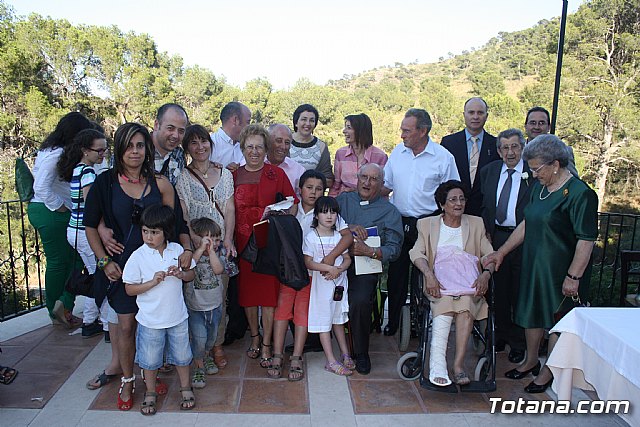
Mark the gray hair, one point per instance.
(547, 148)
(275, 126)
(377, 166)
(423, 120)
(506, 134)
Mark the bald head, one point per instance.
(475, 115)
(280, 138)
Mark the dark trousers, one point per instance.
(361, 294)
(237, 325)
(507, 284)
(398, 276)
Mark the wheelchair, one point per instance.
(415, 364)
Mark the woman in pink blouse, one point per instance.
(358, 135)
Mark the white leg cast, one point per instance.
(440, 327)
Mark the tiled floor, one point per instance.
(49, 391)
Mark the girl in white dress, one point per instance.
(328, 305)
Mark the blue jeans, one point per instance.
(150, 346)
(203, 327)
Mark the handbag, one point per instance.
(561, 312)
(23, 180)
(80, 282)
(208, 190)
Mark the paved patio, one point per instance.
(54, 367)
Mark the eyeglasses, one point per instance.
(254, 147)
(537, 170)
(365, 178)
(100, 151)
(455, 200)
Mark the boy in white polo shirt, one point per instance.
(152, 273)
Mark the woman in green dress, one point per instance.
(557, 233)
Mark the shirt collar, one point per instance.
(480, 136)
(429, 149)
(224, 137)
(518, 168)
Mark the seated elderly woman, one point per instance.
(448, 252)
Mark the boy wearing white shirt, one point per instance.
(152, 273)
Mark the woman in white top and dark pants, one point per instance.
(49, 213)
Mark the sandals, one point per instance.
(189, 402)
(254, 352)
(161, 387)
(296, 373)
(348, 362)
(210, 367)
(219, 357)
(99, 380)
(125, 405)
(197, 379)
(461, 378)
(265, 362)
(338, 369)
(148, 406)
(275, 370)
(7, 375)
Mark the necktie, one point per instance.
(473, 159)
(503, 201)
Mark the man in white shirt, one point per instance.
(414, 171)
(506, 187)
(278, 153)
(234, 117)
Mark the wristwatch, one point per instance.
(375, 254)
(102, 262)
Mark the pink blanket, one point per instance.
(456, 271)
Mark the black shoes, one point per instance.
(537, 388)
(515, 374)
(516, 356)
(389, 331)
(91, 329)
(363, 363)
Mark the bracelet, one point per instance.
(188, 250)
(102, 262)
(486, 270)
(375, 254)
(572, 277)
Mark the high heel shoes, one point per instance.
(515, 374)
(538, 388)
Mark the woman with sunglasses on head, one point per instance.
(117, 199)
(558, 231)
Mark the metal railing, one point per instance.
(617, 233)
(21, 264)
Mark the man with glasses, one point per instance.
(413, 172)
(506, 187)
(538, 122)
(362, 209)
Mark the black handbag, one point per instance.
(80, 282)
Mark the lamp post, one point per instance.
(556, 89)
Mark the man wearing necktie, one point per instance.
(472, 148)
(506, 186)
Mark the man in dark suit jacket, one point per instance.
(502, 211)
(460, 144)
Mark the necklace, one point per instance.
(550, 192)
(204, 174)
(129, 180)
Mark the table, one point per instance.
(599, 348)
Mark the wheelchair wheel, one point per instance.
(404, 330)
(482, 369)
(409, 367)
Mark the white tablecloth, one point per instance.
(599, 348)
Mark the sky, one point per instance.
(283, 40)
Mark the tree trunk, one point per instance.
(608, 149)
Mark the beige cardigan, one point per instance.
(474, 238)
